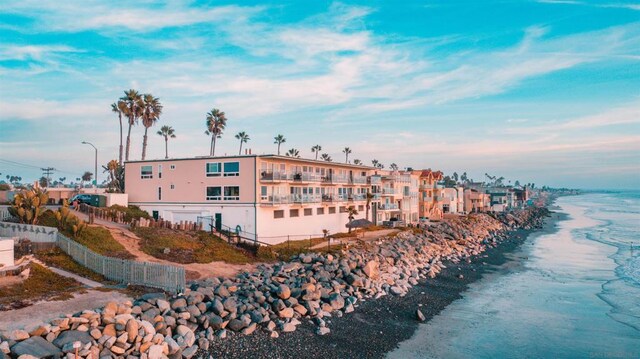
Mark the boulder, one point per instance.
(420, 316)
(132, 330)
(283, 292)
(336, 301)
(286, 313)
(37, 347)
(371, 269)
(71, 336)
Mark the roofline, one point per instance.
(255, 156)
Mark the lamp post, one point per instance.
(95, 174)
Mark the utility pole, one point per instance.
(47, 172)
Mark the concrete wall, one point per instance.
(6, 251)
(39, 234)
(120, 199)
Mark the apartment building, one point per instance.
(396, 196)
(264, 197)
(452, 200)
(476, 201)
(431, 195)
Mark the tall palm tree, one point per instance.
(293, 153)
(279, 139)
(166, 132)
(357, 162)
(132, 109)
(375, 163)
(380, 166)
(316, 149)
(118, 107)
(244, 138)
(326, 157)
(393, 166)
(216, 123)
(346, 152)
(86, 177)
(151, 111)
(353, 212)
(369, 197)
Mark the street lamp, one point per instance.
(95, 175)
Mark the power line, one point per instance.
(47, 172)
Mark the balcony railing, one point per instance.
(273, 176)
(290, 199)
(387, 206)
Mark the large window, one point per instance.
(294, 213)
(214, 193)
(146, 172)
(213, 169)
(231, 169)
(278, 214)
(320, 211)
(232, 193)
(308, 211)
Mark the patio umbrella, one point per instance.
(359, 223)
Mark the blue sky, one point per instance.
(538, 91)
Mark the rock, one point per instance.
(179, 303)
(274, 335)
(283, 292)
(250, 329)
(155, 352)
(395, 290)
(322, 331)
(132, 330)
(19, 335)
(95, 333)
(420, 316)
(163, 305)
(336, 301)
(288, 327)
(230, 305)
(222, 334)
(71, 336)
(236, 325)
(189, 352)
(109, 330)
(37, 347)
(371, 269)
(217, 306)
(355, 280)
(172, 345)
(147, 327)
(286, 313)
(300, 309)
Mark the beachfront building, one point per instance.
(452, 200)
(476, 201)
(268, 198)
(396, 195)
(431, 191)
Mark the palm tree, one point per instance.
(216, 123)
(166, 132)
(326, 157)
(393, 166)
(380, 166)
(375, 163)
(151, 111)
(316, 149)
(132, 108)
(86, 177)
(244, 138)
(279, 139)
(118, 107)
(346, 152)
(293, 153)
(369, 197)
(112, 168)
(353, 212)
(357, 162)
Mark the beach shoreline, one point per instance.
(378, 326)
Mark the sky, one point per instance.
(537, 91)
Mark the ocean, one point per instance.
(571, 292)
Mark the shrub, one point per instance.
(4, 187)
(131, 212)
(28, 205)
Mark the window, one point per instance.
(231, 169)
(172, 167)
(146, 172)
(263, 192)
(232, 193)
(332, 210)
(173, 186)
(213, 169)
(360, 208)
(278, 214)
(343, 209)
(308, 211)
(214, 193)
(320, 211)
(159, 193)
(294, 213)
(159, 171)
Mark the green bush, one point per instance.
(131, 212)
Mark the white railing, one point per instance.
(387, 206)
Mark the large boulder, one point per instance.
(37, 347)
(371, 269)
(71, 336)
(283, 292)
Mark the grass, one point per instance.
(57, 258)
(189, 247)
(131, 212)
(41, 284)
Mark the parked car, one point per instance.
(81, 198)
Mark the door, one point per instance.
(218, 222)
(156, 215)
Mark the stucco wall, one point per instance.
(6, 251)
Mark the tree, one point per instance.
(375, 163)
(216, 123)
(118, 107)
(166, 132)
(370, 196)
(393, 166)
(353, 212)
(293, 153)
(244, 138)
(380, 166)
(449, 182)
(62, 179)
(43, 182)
(316, 149)
(346, 152)
(28, 205)
(279, 139)
(151, 111)
(114, 183)
(86, 177)
(132, 108)
(464, 177)
(455, 176)
(517, 184)
(357, 162)
(326, 157)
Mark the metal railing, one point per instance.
(387, 206)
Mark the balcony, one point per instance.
(274, 200)
(269, 176)
(389, 191)
(358, 180)
(388, 207)
(304, 177)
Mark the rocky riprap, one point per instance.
(276, 298)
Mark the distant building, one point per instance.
(396, 194)
(431, 195)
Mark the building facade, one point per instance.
(267, 198)
(431, 195)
